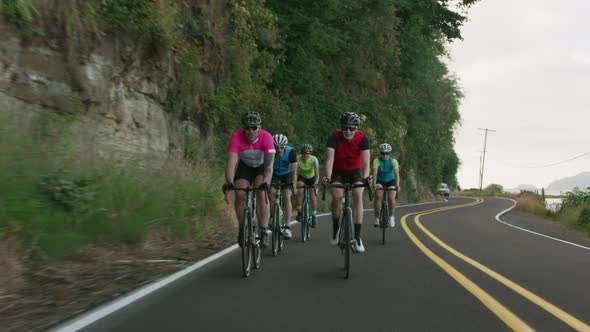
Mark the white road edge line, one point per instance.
(93, 315)
(526, 230)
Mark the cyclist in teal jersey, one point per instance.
(308, 169)
(385, 175)
(285, 170)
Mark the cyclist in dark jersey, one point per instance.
(348, 161)
(285, 170)
(252, 150)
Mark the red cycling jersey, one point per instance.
(347, 156)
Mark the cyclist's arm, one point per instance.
(397, 179)
(316, 168)
(294, 173)
(269, 159)
(230, 168)
(366, 160)
(329, 162)
(375, 171)
(293, 161)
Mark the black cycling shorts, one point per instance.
(286, 179)
(387, 184)
(249, 173)
(308, 182)
(341, 176)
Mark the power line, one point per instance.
(561, 162)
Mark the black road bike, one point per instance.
(384, 214)
(346, 230)
(305, 218)
(250, 242)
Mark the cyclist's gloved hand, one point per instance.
(227, 187)
(325, 180)
(265, 187)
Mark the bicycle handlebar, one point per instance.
(266, 200)
(348, 186)
(390, 188)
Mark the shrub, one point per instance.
(17, 11)
(494, 189)
(584, 218)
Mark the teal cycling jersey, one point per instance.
(282, 164)
(385, 168)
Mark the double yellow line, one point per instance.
(508, 317)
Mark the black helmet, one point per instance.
(306, 148)
(250, 119)
(350, 119)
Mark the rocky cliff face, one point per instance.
(113, 99)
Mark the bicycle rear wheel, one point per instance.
(246, 243)
(347, 240)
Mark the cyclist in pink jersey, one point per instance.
(252, 150)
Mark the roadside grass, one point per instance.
(531, 203)
(58, 203)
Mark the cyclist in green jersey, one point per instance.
(308, 169)
(385, 175)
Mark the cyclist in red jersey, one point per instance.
(348, 161)
(252, 150)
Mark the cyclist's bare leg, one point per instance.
(262, 207)
(357, 199)
(287, 205)
(273, 192)
(391, 201)
(299, 193)
(336, 205)
(240, 199)
(378, 200)
(313, 199)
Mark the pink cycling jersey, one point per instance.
(251, 154)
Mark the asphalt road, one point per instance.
(412, 283)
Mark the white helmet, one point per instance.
(280, 140)
(384, 147)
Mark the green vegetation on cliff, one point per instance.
(300, 63)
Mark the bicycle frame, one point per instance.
(346, 230)
(277, 219)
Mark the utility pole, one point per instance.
(483, 161)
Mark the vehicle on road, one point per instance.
(443, 189)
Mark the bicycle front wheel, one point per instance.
(276, 231)
(384, 221)
(304, 225)
(255, 244)
(245, 244)
(308, 220)
(347, 240)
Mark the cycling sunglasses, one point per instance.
(253, 128)
(384, 153)
(349, 128)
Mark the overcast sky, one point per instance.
(524, 67)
